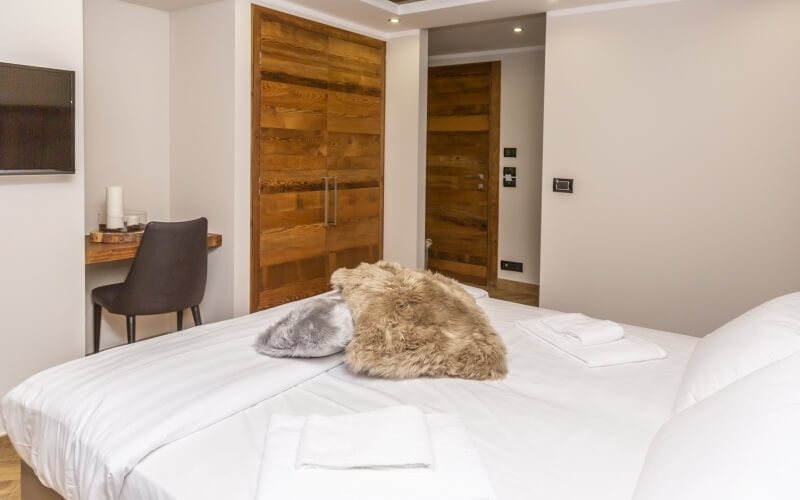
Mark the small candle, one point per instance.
(114, 207)
(131, 220)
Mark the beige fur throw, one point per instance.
(416, 324)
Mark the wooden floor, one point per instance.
(526, 294)
(9, 462)
(9, 471)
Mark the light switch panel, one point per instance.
(562, 185)
(510, 177)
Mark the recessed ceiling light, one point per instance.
(518, 29)
(394, 20)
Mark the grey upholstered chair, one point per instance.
(167, 275)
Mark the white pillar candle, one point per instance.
(114, 207)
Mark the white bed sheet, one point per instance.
(83, 425)
(553, 429)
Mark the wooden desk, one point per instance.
(110, 252)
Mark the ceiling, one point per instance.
(373, 15)
(488, 35)
(170, 5)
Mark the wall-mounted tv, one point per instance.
(37, 120)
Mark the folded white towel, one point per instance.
(458, 474)
(391, 437)
(583, 329)
(630, 349)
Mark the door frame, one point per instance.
(255, 157)
(494, 175)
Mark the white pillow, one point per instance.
(741, 443)
(477, 293)
(763, 335)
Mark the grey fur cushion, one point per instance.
(319, 327)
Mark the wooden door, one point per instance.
(316, 195)
(463, 155)
(355, 151)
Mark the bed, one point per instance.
(552, 429)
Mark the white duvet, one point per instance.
(184, 416)
(554, 429)
(84, 425)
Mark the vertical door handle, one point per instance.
(325, 222)
(335, 201)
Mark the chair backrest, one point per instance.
(169, 271)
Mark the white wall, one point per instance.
(679, 124)
(404, 155)
(126, 57)
(521, 112)
(41, 218)
(202, 156)
(160, 115)
(240, 239)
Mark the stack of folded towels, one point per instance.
(592, 341)
(393, 453)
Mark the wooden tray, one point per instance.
(101, 237)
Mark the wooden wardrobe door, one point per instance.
(462, 171)
(291, 85)
(317, 150)
(355, 150)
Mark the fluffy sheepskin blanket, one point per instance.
(416, 324)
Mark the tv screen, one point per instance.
(37, 120)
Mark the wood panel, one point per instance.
(317, 116)
(96, 253)
(355, 152)
(462, 170)
(9, 471)
(354, 113)
(291, 209)
(459, 270)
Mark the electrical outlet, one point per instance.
(507, 265)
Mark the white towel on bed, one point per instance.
(630, 349)
(583, 329)
(391, 437)
(457, 475)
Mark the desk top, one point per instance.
(110, 252)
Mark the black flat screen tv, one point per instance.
(37, 120)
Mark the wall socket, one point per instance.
(507, 265)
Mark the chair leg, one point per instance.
(98, 315)
(180, 320)
(196, 315)
(131, 327)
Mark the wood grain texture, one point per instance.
(463, 146)
(264, 14)
(110, 252)
(9, 471)
(317, 155)
(494, 174)
(32, 488)
(257, 162)
(518, 287)
(514, 291)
